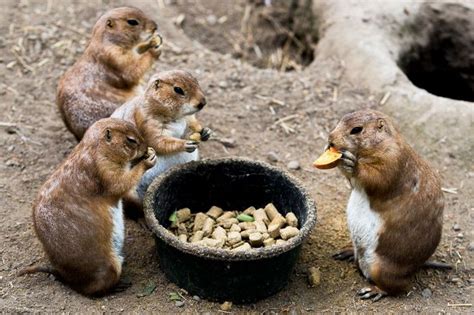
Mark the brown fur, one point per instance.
(402, 188)
(109, 71)
(72, 213)
(160, 106)
(156, 110)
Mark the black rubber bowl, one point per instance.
(232, 184)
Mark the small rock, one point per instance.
(179, 303)
(456, 227)
(196, 298)
(460, 235)
(314, 276)
(470, 247)
(426, 293)
(211, 19)
(228, 142)
(223, 85)
(272, 156)
(293, 165)
(226, 306)
(455, 280)
(471, 281)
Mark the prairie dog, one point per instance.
(163, 115)
(78, 212)
(124, 45)
(395, 211)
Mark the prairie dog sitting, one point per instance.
(78, 212)
(123, 47)
(163, 115)
(395, 211)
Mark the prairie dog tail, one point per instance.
(35, 269)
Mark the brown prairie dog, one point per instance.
(395, 210)
(78, 212)
(163, 114)
(124, 45)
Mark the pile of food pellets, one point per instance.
(234, 230)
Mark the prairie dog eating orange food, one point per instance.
(395, 211)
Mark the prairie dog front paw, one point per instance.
(150, 157)
(205, 134)
(190, 146)
(348, 162)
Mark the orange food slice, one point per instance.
(328, 159)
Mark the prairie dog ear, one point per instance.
(108, 135)
(110, 23)
(380, 123)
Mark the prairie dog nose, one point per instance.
(202, 104)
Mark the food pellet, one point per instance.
(247, 225)
(234, 230)
(291, 219)
(249, 210)
(183, 238)
(261, 215)
(233, 237)
(271, 211)
(288, 232)
(215, 212)
(208, 226)
(268, 242)
(226, 215)
(275, 225)
(256, 239)
(219, 233)
(243, 247)
(197, 236)
(183, 215)
(199, 221)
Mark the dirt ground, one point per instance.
(257, 110)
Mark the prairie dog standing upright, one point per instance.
(395, 211)
(78, 212)
(123, 47)
(163, 115)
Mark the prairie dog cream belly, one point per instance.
(364, 226)
(118, 230)
(175, 129)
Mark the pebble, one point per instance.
(226, 306)
(179, 303)
(196, 298)
(293, 165)
(470, 247)
(314, 276)
(455, 280)
(211, 19)
(460, 235)
(223, 84)
(456, 227)
(228, 142)
(426, 293)
(272, 156)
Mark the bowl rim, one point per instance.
(224, 254)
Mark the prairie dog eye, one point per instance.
(108, 135)
(356, 130)
(132, 22)
(179, 90)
